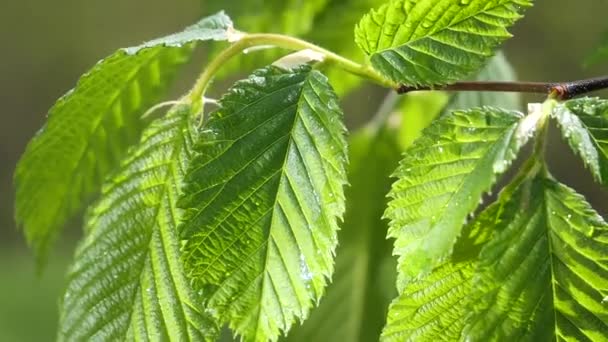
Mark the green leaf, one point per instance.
(89, 129)
(497, 69)
(435, 307)
(442, 178)
(545, 272)
(584, 125)
(264, 196)
(431, 309)
(434, 42)
(355, 306)
(127, 281)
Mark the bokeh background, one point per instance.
(46, 45)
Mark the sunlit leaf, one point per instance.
(434, 42)
(264, 197)
(435, 307)
(544, 274)
(356, 303)
(442, 178)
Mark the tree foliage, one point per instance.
(265, 217)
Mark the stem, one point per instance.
(248, 41)
(562, 91)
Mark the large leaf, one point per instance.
(442, 178)
(356, 303)
(127, 281)
(433, 42)
(89, 129)
(584, 124)
(545, 272)
(264, 197)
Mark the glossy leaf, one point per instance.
(90, 128)
(264, 197)
(434, 42)
(127, 281)
(356, 303)
(545, 272)
(584, 125)
(442, 178)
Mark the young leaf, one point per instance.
(584, 124)
(264, 197)
(90, 128)
(432, 308)
(433, 42)
(544, 274)
(435, 307)
(127, 281)
(442, 178)
(355, 305)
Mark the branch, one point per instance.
(562, 91)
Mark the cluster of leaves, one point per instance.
(237, 222)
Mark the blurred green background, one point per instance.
(46, 45)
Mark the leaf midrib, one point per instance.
(275, 204)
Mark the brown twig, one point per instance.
(563, 91)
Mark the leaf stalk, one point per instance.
(248, 41)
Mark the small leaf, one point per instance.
(90, 128)
(126, 281)
(355, 306)
(442, 178)
(264, 196)
(544, 273)
(434, 42)
(584, 125)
